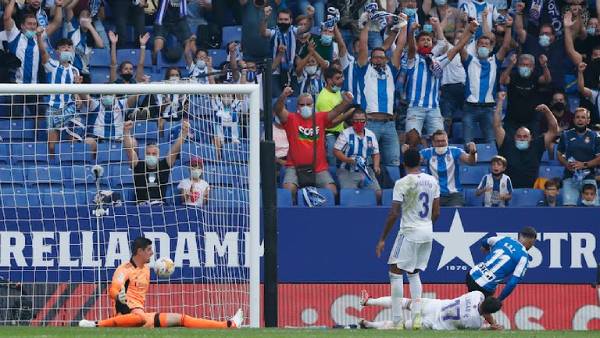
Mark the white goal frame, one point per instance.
(253, 92)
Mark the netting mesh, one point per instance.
(63, 232)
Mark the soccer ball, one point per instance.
(164, 267)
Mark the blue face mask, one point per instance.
(427, 28)
(544, 40)
(440, 2)
(591, 31)
(522, 145)
(336, 88)
(483, 52)
(326, 40)
(306, 111)
(151, 161)
(29, 34)
(67, 57)
(524, 72)
(409, 11)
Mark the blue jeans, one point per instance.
(387, 137)
(430, 118)
(451, 100)
(319, 6)
(571, 190)
(330, 142)
(483, 115)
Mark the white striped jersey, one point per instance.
(227, 113)
(288, 39)
(173, 105)
(27, 51)
(109, 122)
(416, 192)
(350, 79)
(311, 84)
(194, 71)
(445, 168)
(354, 146)
(507, 257)
(499, 187)
(422, 83)
(377, 89)
(474, 10)
(482, 78)
(58, 74)
(82, 50)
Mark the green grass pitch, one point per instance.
(75, 332)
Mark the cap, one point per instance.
(196, 161)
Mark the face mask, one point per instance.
(358, 126)
(201, 64)
(336, 88)
(30, 34)
(441, 150)
(580, 129)
(522, 145)
(283, 26)
(174, 78)
(427, 28)
(587, 203)
(251, 76)
(409, 11)
(524, 71)
(306, 111)
(67, 57)
(544, 40)
(591, 31)
(424, 50)
(127, 77)
(440, 2)
(311, 70)
(326, 40)
(107, 101)
(558, 106)
(483, 52)
(151, 160)
(196, 173)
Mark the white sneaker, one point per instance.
(238, 318)
(87, 323)
(364, 297)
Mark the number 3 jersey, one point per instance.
(416, 192)
(506, 257)
(453, 314)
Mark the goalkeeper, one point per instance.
(128, 291)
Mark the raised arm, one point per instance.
(87, 23)
(400, 43)
(44, 56)
(573, 54)
(470, 157)
(553, 129)
(139, 72)
(363, 47)
(546, 77)
(505, 76)
(129, 144)
(56, 22)
(426, 6)
(233, 65)
(507, 39)
(519, 28)
(114, 38)
(264, 32)
(485, 25)
(9, 23)
(279, 108)
(412, 44)
(342, 107)
(583, 90)
(460, 46)
(497, 123)
(342, 48)
(176, 147)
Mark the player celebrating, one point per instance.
(417, 195)
(460, 313)
(128, 291)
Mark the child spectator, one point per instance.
(228, 110)
(551, 194)
(588, 196)
(496, 186)
(194, 190)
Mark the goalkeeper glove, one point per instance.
(122, 296)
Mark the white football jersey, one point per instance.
(455, 314)
(416, 192)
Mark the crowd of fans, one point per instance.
(355, 83)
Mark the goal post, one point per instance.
(39, 236)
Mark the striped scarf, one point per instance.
(163, 9)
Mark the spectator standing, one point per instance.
(125, 71)
(79, 29)
(560, 110)
(329, 98)
(579, 152)
(151, 176)
(254, 45)
(495, 186)
(194, 190)
(309, 71)
(126, 13)
(523, 152)
(551, 194)
(171, 18)
(443, 163)
(302, 135)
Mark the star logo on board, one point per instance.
(457, 243)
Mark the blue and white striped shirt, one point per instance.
(82, 50)
(27, 51)
(422, 85)
(445, 168)
(311, 84)
(109, 122)
(288, 39)
(499, 187)
(350, 78)
(164, 7)
(376, 89)
(474, 9)
(354, 146)
(57, 73)
(482, 79)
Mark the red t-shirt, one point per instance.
(299, 133)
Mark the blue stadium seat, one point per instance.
(42, 175)
(111, 152)
(228, 198)
(85, 197)
(551, 171)
(526, 197)
(65, 198)
(291, 104)
(100, 74)
(164, 63)
(100, 57)
(485, 152)
(30, 153)
(329, 198)
(546, 157)
(4, 153)
(471, 175)
(357, 197)
(17, 129)
(218, 56)
(10, 176)
(120, 175)
(471, 200)
(458, 130)
(132, 55)
(20, 197)
(394, 172)
(73, 153)
(386, 197)
(146, 131)
(284, 198)
(237, 153)
(205, 151)
(231, 33)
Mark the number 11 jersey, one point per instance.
(416, 192)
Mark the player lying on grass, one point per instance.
(464, 312)
(128, 291)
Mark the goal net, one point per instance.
(85, 169)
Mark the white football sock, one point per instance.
(416, 289)
(381, 301)
(396, 283)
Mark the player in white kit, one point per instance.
(462, 313)
(417, 197)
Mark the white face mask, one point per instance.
(306, 111)
(196, 173)
(441, 150)
(588, 203)
(151, 161)
(311, 70)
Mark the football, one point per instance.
(164, 267)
